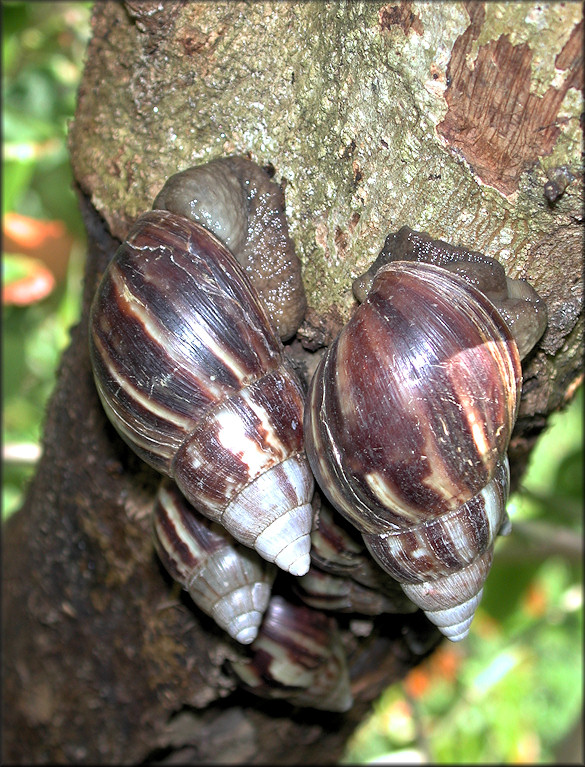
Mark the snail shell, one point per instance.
(408, 422)
(325, 591)
(342, 575)
(193, 377)
(335, 548)
(517, 302)
(236, 200)
(298, 655)
(229, 582)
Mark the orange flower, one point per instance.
(417, 682)
(48, 241)
(36, 283)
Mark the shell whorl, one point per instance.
(446, 543)
(443, 563)
(517, 302)
(416, 422)
(342, 575)
(405, 434)
(193, 377)
(227, 581)
(325, 591)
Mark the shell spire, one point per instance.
(227, 581)
(442, 565)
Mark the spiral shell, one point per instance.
(517, 302)
(408, 421)
(325, 591)
(229, 582)
(193, 377)
(335, 548)
(442, 564)
(298, 655)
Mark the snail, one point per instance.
(188, 365)
(407, 423)
(410, 413)
(298, 655)
(229, 582)
(516, 300)
(325, 591)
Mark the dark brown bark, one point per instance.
(104, 661)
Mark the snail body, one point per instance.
(235, 199)
(229, 582)
(408, 421)
(193, 376)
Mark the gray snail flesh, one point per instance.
(236, 200)
(408, 421)
(193, 376)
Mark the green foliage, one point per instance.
(43, 48)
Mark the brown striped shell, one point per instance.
(298, 655)
(408, 422)
(325, 591)
(517, 302)
(192, 375)
(229, 582)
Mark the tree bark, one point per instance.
(446, 117)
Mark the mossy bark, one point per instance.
(446, 117)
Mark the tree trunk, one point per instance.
(449, 118)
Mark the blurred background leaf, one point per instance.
(43, 236)
(511, 692)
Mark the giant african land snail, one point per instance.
(191, 372)
(410, 414)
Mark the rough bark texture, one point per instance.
(449, 118)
